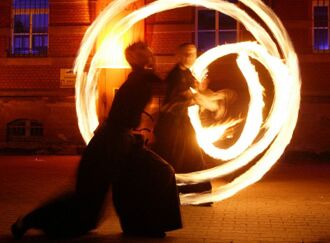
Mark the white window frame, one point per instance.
(321, 3)
(30, 12)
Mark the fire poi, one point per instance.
(273, 49)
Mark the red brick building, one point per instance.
(37, 109)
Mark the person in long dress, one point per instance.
(108, 159)
(175, 138)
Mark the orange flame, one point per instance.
(279, 58)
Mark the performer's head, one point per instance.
(139, 55)
(186, 54)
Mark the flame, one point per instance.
(278, 58)
(112, 54)
(207, 136)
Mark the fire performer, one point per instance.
(175, 138)
(149, 206)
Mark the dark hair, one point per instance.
(184, 45)
(136, 54)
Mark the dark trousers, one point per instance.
(146, 197)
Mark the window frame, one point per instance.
(30, 12)
(320, 3)
(24, 130)
(217, 29)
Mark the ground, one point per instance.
(290, 204)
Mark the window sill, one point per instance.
(321, 51)
(26, 56)
(26, 61)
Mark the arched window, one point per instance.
(24, 130)
(30, 27)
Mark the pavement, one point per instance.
(290, 204)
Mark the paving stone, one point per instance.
(285, 206)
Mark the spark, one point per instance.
(278, 58)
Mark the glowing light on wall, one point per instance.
(112, 54)
(278, 58)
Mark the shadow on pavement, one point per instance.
(322, 240)
(93, 238)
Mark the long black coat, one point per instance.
(109, 159)
(175, 138)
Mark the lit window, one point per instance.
(23, 130)
(214, 28)
(321, 25)
(30, 27)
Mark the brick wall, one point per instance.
(312, 133)
(30, 77)
(68, 23)
(5, 13)
(71, 12)
(164, 32)
(30, 86)
(56, 114)
(4, 27)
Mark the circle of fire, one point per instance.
(278, 58)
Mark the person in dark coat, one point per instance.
(145, 195)
(111, 157)
(175, 138)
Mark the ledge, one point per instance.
(36, 61)
(69, 93)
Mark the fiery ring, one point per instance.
(279, 58)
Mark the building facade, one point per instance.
(39, 41)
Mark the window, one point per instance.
(321, 25)
(30, 27)
(23, 130)
(214, 28)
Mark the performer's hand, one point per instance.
(203, 85)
